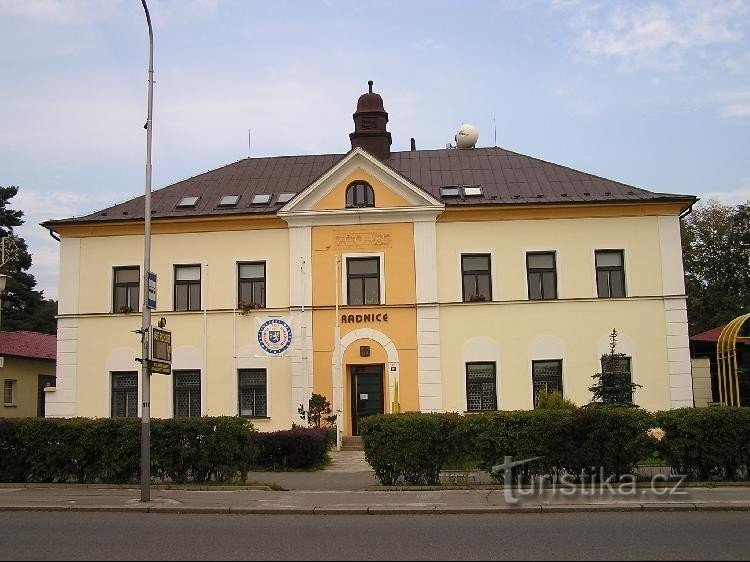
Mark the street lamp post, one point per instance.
(146, 311)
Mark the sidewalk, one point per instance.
(348, 486)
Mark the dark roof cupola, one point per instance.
(370, 121)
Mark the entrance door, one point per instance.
(43, 382)
(367, 393)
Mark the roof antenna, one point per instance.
(370, 83)
(494, 123)
(249, 145)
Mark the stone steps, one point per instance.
(351, 443)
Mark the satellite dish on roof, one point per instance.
(467, 136)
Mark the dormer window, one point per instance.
(261, 199)
(188, 202)
(359, 194)
(228, 201)
(285, 197)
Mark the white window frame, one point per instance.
(498, 393)
(236, 275)
(13, 391)
(525, 271)
(111, 297)
(268, 390)
(173, 286)
(344, 280)
(493, 272)
(625, 265)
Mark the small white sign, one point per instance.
(364, 396)
(152, 290)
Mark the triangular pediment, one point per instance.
(393, 191)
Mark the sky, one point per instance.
(653, 94)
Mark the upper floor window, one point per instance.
(476, 277)
(126, 290)
(481, 387)
(610, 273)
(541, 273)
(363, 280)
(360, 194)
(187, 287)
(251, 284)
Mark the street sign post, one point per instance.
(161, 346)
(151, 301)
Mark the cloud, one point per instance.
(59, 11)
(731, 197)
(735, 104)
(658, 36)
(38, 206)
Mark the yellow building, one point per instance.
(27, 370)
(468, 278)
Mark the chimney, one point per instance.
(413, 144)
(370, 122)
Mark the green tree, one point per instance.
(716, 256)
(24, 308)
(614, 386)
(319, 413)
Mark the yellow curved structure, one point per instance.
(726, 359)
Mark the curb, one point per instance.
(388, 510)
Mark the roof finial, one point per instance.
(370, 83)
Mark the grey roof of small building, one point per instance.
(506, 178)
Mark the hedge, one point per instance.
(83, 450)
(707, 443)
(589, 442)
(295, 448)
(411, 447)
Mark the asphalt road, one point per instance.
(583, 536)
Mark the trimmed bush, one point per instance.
(108, 450)
(297, 448)
(707, 443)
(523, 435)
(203, 449)
(611, 439)
(589, 442)
(411, 448)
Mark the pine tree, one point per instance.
(24, 308)
(613, 385)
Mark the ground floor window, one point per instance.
(623, 366)
(187, 393)
(481, 386)
(125, 395)
(253, 393)
(546, 377)
(9, 393)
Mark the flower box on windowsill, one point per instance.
(248, 308)
(477, 298)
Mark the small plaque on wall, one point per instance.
(364, 350)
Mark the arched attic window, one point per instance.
(359, 194)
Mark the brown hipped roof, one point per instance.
(31, 345)
(506, 178)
